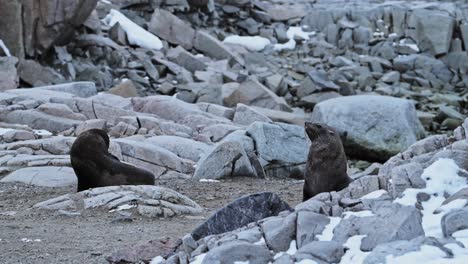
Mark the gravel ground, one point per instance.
(30, 235)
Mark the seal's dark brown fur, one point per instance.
(326, 164)
(96, 167)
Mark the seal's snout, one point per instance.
(312, 129)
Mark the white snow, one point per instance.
(242, 262)
(427, 254)
(136, 35)
(354, 254)
(441, 177)
(392, 35)
(374, 194)
(409, 45)
(363, 213)
(198, 259)
(327, 233)
(5, 48)
(208, 180)
(255, 43)
(306, 261)
(123, 207)
(291, 33)
(157, 260)
(260, 242)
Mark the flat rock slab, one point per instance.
(244, 210)
(146, 200)
(43, 176)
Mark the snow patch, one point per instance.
(157, 260)
(255, 43)
(364, 213)
(208, 180)
(291, 34)
(198, 259)
(354, 254)
(327, 233)
(291, 250)
(374, 194)
(3, 131)
(136, 35)
(441, 177)
(42, 132)
(5, 49)
(261, 242)
(306, 261)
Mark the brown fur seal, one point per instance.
(94, 166)
(326, 164)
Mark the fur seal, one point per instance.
(326, 164)
(94, 166)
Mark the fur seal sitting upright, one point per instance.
(326, 164)
(94, 166)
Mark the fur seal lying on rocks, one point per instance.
(326, 164)
(94, 166)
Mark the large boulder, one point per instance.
(169, 27)
(30, 27)
(8, 74)
(377, 127)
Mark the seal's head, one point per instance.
(93, 142)
(318, 130)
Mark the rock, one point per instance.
(433, 34)
(283, 147)
(311, 100)
(401, 223)
(125, 89)
(279, 231)
(295, 118)
(217, 132)
(461, 194)
(378, 126)
(391, 77)
(31, 28)
(34, 74)
(169, 27)
(145, 252)
(39, 120)
(253, 93)
(186, 59)
(316, 81)
(244, 210)
(245, 115)
(212, 47)
(43, 176)
(90, 124)
(238, 251)
(361, 187)
(80, 89)
(8, 74)
(182, 147)
(321, 251)
(60, 110)
(227, 159)
(454, 221)
(149, 201)
(286, 12)
(309, 224)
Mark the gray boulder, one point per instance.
(43, 176)
(378, 127)
(454, 221)
(8, 74)
(238, 252)
(227, 159)
(80, 89)
(321, 252)
(244, 210)
(246, 115)
(279, 231)
(169, 27)
(182, 147)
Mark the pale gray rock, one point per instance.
(8, 75)
(182, 147)
(401, 223)
(294, 118)
(169, 27)
(279, 231)
(246, 115)
(186, 59)
(217, 110)
(43, 176)
(80, 89)
(28, 160)
(321, 252)
(309, 224)
(212, 47)
(241, 137)
(377, 127)
(253, 93)
(34, 74)
(454, 221)
(217, 132)
(60, 110)
(40, 95)
(286, 12)
(90, 124)
(406, 176)
(226, 159)
(17, 135)
(149, 201)
(238, 251)
(39, 120)
(311, 100)
(361, 187)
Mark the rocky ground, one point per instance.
(211, 97)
